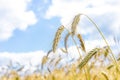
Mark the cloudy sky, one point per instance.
(27, 27)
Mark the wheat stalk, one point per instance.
(63, 50)
(75, 23)
(109, 67)
(65, 41)
(105, 75)
(44, 61)
(106, 51)
(88, 57)
(57, 61)
(57, 38)
(82, 42)
(48, 53)
(112, 57)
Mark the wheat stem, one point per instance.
(88, 57)
(76, 47)
(113, 57)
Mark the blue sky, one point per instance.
(35, 37)
(29, 26)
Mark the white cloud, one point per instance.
(67, 9)
(91, 44)
(14, 14)
(23, 58)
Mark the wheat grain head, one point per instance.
(82, 42)
(65, 41)
(88, 57)
(75, 23)
(57, 38)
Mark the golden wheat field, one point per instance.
(99, 63)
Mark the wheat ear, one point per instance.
(75, 23)
(44, 61)
(88, 57)
(82, 42)
(65, 41)
(57, 38)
